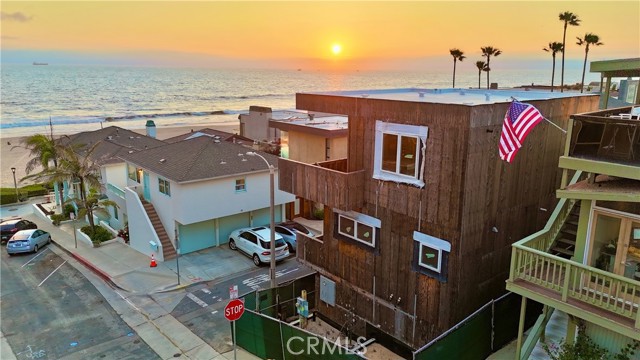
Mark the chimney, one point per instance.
(151, 128)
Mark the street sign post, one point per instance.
(232, 312)
(233, 292)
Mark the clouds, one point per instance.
(16, 16)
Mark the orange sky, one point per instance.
(303, 32)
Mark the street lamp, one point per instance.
(15, 184)
(272, 269)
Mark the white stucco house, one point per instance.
(200, 190)
(113, 141)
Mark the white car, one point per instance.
(256, 243)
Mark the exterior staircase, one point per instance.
(565, 243)
(168, 251)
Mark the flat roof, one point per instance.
(617, 67)
(468, 97)
(324, 124)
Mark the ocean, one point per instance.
(81, 98)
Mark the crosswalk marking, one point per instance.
(197, 300)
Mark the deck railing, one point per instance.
(568, 280)
(116, 190)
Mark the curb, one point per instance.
(91, 267)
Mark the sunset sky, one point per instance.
(371, 34)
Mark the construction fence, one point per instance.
(487, 330)
(261, 332)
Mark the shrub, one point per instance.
(34, 190)
(68, 209)
(98, 234)
(8, 198)
(124, 234)
(57, 218)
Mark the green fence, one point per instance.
(269, 338)
(280, 302)
(484, 332)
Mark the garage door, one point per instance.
(197, 236)
(262, 217)
(229, 223)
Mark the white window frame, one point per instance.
(434, 243)
(244, 185)
(357, 219)
(167, 186)
(420, 133)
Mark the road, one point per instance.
(202, 309)
(51, 311)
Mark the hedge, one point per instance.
(99, 235)
(8, 195)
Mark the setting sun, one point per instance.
(336, 49)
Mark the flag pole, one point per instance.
(549, 121)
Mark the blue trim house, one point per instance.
(200, 189)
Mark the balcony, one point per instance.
(605, 142)
(327, 183)
(115, 190)
(600, 297)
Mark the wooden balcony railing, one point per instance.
(588, 290)
(337, 189)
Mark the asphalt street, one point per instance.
(202, 309)
(51, 311)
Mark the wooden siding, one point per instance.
(312, 182)
(468, 191)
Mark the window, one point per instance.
(357, 229)
(400, 152)
(164, 186)
(252, 238)
(115, 212)
(134, 174)
(241, 185)
(431, 253)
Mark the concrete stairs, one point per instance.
(565, 243)
(168, 251)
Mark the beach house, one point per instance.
(420, 215)
(309, 137)
(197, 190)
(586, 261)
(113, 141)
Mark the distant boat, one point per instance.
(39, 63)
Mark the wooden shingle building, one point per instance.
(420, 216)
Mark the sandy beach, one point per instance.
(13, 155)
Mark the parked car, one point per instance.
(28, 241)
(256, 243)
(9, 227)
(288, 232)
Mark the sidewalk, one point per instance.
(129, 271)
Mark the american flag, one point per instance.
(519, 120)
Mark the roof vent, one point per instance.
(244, 159)
(216, 137)
(130, 151)
(130, 137)
(110, 137)
(222, 162)
(163, 160)
(216, 141)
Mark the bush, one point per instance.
(68, 209)
(318, 214)
(57, 218)
(8, 198)
(34, 190)
(97, 235)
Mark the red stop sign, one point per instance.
(234, 309)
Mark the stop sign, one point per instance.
(234, 309)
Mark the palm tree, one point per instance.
(76, 168)
(93, 204)
(482, 66)
(488, 52)
(568, 18)
(457, 55)
(553, 48)
(589, 39)
(43, 150)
